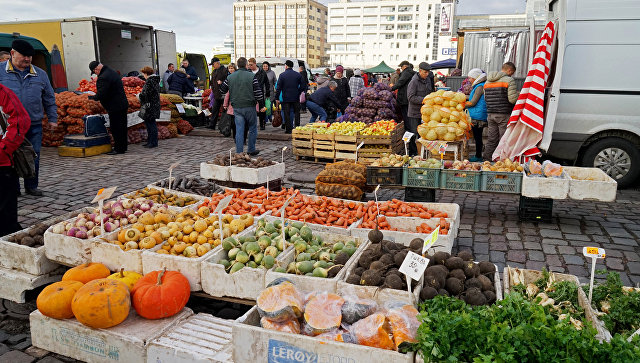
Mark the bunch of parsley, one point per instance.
(624, 311)
(512, 330)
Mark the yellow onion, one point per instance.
(432, 123)
(460, 97)
(448, 94)
(463, 125)
(441, 131)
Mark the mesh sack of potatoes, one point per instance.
(348, 165)
(172, 98)
(344, 177)
(338, 191)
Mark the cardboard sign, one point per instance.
(180, 108)
(104, 194)
(433, 237)
(407, 136)
(413, 266)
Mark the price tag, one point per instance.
(282, 213)
(413, 267)
(358, 148)
(283, 150)
(180, 107)
(433, 237)
(101, 196)
(407, 136)
(219, 208)
(171, 167)
(207, 112)
(594, 253)
(375, 194)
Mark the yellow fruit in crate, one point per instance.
(237, 226)
(227, 218)
(193, 237)
(162, 251)
(188, 228)
(166, 247)
(208, 233)
(201, 239)
(204, 212)
(200, 225)
(247, 219)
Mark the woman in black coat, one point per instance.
(150, 100)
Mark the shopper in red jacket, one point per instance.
(18, 123)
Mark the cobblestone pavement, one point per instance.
(489, 223)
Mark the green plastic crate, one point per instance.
(390, 176)
(421, 177)
(501, 182)
(467, 180)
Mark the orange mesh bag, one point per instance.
(338, 191)
(339, 176)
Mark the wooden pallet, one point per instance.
(83, 152)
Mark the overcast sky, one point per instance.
(199, 25)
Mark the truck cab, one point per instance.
(593, 96)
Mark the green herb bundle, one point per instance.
(622, 308)
(512, 330)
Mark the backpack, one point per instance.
(224, 125)
(24, 158)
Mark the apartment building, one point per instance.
(362, 34)
(281, 28)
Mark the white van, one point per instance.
(593, 99)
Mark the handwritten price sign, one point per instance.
(414, 265)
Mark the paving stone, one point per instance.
(532, 246)
(465, 226)
(634, 268)
(49, 359)
(624, 241)
(559, 269)
(517, 256)
(515, 245)
(549, 249)
(3, 335)
(15, 339)
(464, 233)
(568, 250)
(480, 248)
(16, 356)
(631, 256)
(497, 238)
(481, 238)
(557, 242)
(36, 352)
(577, 237)
(498, 246)
(568, 228)
(549, 233)
(467, 242)
(23, 345)
(554, 260)
(618, 232)
(536, 256)
(535, 265)
(577, 270)
(3, 349)
(496, 230)
(573, 260)
(513, 236)
(614, 263)
(495, 257)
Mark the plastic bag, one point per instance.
(404, 324)
(322, 313)
(287, 326)
(356, 308)
(373, 331)
(533, 168)
(551, 169)
(267, 104)
(280, 303)
(338, 191)
(344, 177)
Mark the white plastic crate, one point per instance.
(126, 342)
(541, 187)
(256, 175)
(112, 256)
(591, 184)
(215, 172)
(14, 284)
(70, 251)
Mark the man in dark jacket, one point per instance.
(403, 81)
(305, 79)
(217, 78)
(244, 93)
(320, 100)
(263, 82)
(191, 73)
(179, 84)
(343, 93)
(112, 97)
(500, 94)
(419, 86)
(290, 85)
(12, 132)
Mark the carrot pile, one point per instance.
(398, 208)
(323, 210)
(444, 227)
(249, 201)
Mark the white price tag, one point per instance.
(104, 194)
(594, 253)
(283, 150)
(407, 136)
(207, 112)
(180, 107)
(171, 167)
(223, 204)
(433, 237)
(414, 265)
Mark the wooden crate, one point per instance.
(302, 134)
(395, 136)
(303, 143)
(323, 137)
(299, 151)
(83, 152)
(346, 143)
(351, 139)
(324, 154)
(323, 145)
(345, 155)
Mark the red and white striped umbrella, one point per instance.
(526, 123)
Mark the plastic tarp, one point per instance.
(448, 63)
(380, 68)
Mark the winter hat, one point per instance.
(23, 47)
(475, 73)
(93, 65)
(339, 69)
(357, 72)
(424, 66)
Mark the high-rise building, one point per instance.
(362, 34)
(226, 47)
(281, 28)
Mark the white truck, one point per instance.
(121, 45)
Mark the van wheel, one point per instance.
(618, 157)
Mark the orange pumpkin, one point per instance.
(54, 300)
(102, 303)
(404, 324)
(374, 331)
(288, 326)
(86, 272)
(322, 313)
(160, 294)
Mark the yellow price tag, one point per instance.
(433, 237)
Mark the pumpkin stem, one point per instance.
(160, 276)
(121, 272)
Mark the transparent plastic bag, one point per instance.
(322, 313)
(404, 324)
(373, 331)
(287, 326)
(533, 168)
(280, 303)
(551, 169)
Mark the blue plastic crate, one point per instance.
(501, 182)
(421, 177)
(466, 180)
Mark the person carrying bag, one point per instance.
(24, 157)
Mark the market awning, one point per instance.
(380, 68)
(448, 63)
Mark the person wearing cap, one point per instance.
(477, 108)
(11, 137)
(420, 85)
(393, 79)
(110, 93)
(290, 85)
(343, 93)
(405, 77)
(31, 85)
(500, 94)
(191, 73)
(244, 93)
(356, 83)
(216, 99)
(320, 100)
(165, 76)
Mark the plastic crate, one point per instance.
(535, 209)
(467, 180)
(419, 195)
(384, 175)
(501, 182)
(421, 177)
